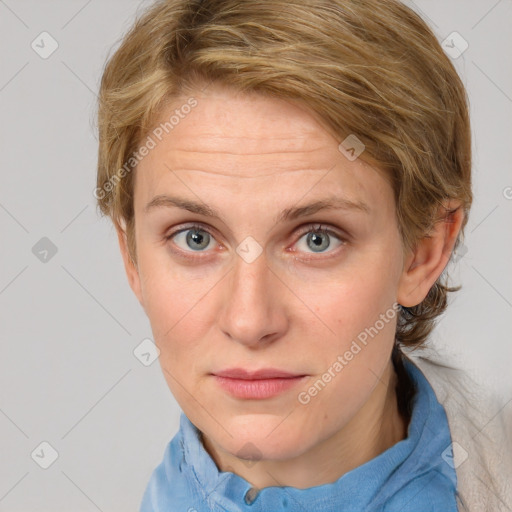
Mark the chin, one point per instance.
(254, 437)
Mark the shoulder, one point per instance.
(167, 488)
(481, 432)
(429, 492)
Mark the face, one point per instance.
(240, 266)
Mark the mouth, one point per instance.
(257, 385)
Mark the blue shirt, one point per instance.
(414, 475)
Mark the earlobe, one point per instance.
(426, 262)
(130, 267)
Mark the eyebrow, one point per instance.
(292, 213)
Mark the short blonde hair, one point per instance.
(372, 68)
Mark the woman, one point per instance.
(288, 181)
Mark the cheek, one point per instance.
(181, 309)
(357, 306)
(350, 360)
(350, 300)
(170, 296)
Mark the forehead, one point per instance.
(251, 142)
(224, 112)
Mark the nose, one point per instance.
(254, 312)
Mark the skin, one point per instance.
(249, 157)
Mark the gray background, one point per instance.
(70, 323)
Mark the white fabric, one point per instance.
(481, 430)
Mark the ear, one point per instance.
(426, 262)
(130, 266)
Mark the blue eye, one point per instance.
(194, 238)
(318, 240)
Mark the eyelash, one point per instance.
(310, 228)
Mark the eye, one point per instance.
(193, 238)
(318, 239)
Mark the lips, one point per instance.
(257, 384)
(265, 373)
